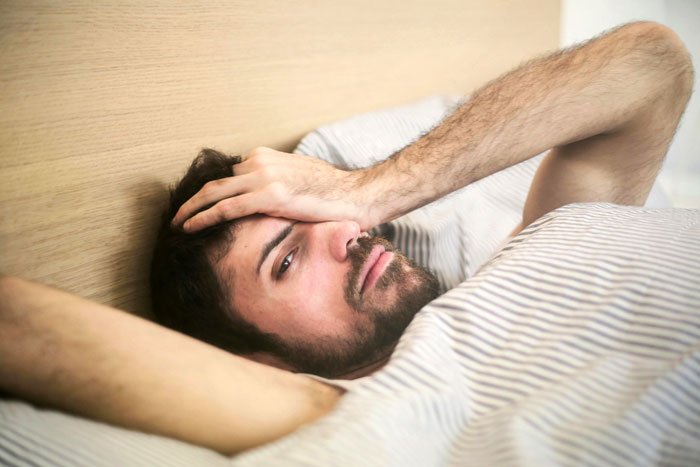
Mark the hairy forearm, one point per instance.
(599, 88)
(73, 354)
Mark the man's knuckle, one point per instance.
(268, 173)
(277, 192)
(253, 152)
(227, 208)
(209, 188)
(258, 152)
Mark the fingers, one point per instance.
(259, 158)
(265, 181)
(261, 154)
(253, 172)
(225, 210)
(245, 167)
(212, 192)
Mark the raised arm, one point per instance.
(609, 107)
(66, 352)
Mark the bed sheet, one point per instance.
(577, 344)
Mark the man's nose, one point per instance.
(341, 236)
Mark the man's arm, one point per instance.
(608, 108)
(66, 352)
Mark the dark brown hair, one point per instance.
(186, 293)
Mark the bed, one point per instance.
(107, 105)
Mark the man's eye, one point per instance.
(286, 262)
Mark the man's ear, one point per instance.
(270, 360)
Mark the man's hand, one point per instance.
(280, 185)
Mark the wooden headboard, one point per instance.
(105, 103)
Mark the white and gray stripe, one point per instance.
(557, 352)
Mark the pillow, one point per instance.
(34, 436)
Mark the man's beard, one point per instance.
(333, 357)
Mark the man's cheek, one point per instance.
(322, 279)
(310, 292)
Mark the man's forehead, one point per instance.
(259, 227)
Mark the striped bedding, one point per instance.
(575, 343)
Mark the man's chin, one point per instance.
(405, 285)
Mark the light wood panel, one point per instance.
(105, 103)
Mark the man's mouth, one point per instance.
(374, 267)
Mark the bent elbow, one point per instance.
(666, 51)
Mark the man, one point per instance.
(320, 298)
(609, 142)
(608, 108)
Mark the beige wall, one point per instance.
(104, 103)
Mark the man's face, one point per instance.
(337, 298)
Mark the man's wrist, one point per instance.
(386, 191)
(376, 193)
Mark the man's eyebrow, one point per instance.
(273, 243)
